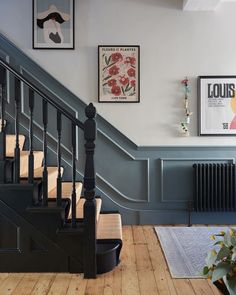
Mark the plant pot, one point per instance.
(221, 286)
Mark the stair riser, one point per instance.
(11, 143)
(24, 162)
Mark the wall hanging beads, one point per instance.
(186, 121)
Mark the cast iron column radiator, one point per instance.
(214, 188)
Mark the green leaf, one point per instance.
(227, 239)
(217, 243)
(205, 270)
(109, 59)
(210, 259)
(106, 78)
(122, 88)
(106, 61)
(222, 269)
(108, 66)
(224, 252)
(233, 258)
(127, 86)
(233, 241)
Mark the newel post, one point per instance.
(90, 130)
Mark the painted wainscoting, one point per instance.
(148, 185)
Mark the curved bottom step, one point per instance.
(108, 253)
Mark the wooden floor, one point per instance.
(142, 270)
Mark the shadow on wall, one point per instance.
(169, 4)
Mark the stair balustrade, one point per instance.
(67, 232)
(89, 134)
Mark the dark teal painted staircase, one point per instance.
(45, 226)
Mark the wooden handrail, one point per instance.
(42, 94)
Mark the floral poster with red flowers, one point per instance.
(118, 75)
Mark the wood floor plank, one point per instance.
(117, 281)
(77, 285)
(127, 235)
(128, 259)
(95, 286)
(3, 276)
(150, 234)
(183, 287)
(143, 261)
(9, 284)
(26, 285)
(108, 284)
(113, 282)
(130, 282)
(43, 284)
(60, 284)
(138, 235)
(147, 283)
(164, 282)
(201, 287)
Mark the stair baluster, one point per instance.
(17, 146)
(90, 263)
(3, 132)
(31, 153)
(73, 195)
(59, 178)
(45, 170)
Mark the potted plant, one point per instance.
(221, 262)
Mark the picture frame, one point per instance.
(53, 24)
(119, 73)
(217, 105)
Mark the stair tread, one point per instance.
(109, 226)
(38, 172)
(80, 208)
(24, 161)
(22, 153)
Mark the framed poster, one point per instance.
(53, 24)
(118, 73)
(217, 105)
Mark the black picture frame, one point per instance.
(53, 40)
(122, 84)
(217, 105)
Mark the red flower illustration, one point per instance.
(116, 56)
(131, 72)
(116, 90)
(111, 82)
(124, 80)
(130, 60)
(114, 70)
(133, 83)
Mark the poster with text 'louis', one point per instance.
(217, 98)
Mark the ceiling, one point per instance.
(203, 5)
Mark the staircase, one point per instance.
(46, 225)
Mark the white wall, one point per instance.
(173, 44)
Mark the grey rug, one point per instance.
(185, 248)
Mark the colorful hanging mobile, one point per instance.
(186, 121)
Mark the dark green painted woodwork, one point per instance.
(146, 184)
